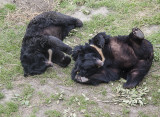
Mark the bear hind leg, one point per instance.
(136, 75)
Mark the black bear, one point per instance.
(42, 43)
(108, 58)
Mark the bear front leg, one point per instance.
(60, 58)
(59, 45)
(68, 20)
(60, 19)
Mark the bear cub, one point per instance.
(42, 43)
(106, 58)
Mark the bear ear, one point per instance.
(76, 52)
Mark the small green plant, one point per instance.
(125, 112)
(156, 76)
(9, 85)
(28, 90)
(87, 115)
(158, 1)
(1, 95)
(34, 111)
(11, 7)
(86, 12)
(48, 100)
(42, 82)
(81, 102)
(104, 92)
(53, 113)
(59, 97)
(99, 113)
(142, 114)
(24, 98)
(156, 97)
(157, 55)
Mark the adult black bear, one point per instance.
(42, 43)
(108, 58)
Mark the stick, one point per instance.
(50, 56)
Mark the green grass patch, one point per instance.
(156, 96)
(1, 95)
(10, 53)
(24, 98)
(143, 114)
(5, 9)
(97, 112)
(81, 102)
(125, 112)
(153, 82)
(8, 109)
(148, 20)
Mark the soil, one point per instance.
(84, 17)
(3, 2)
(151, 29)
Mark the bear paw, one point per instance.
(130, 85)
(79, 23)
(65, 61)
(138, 33)
(81, 79)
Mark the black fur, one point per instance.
(127, 56)
(46, 31)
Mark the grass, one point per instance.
(53, 113)
(24, 98)
(81, 102)
(144, 114)
(1, 95)
(125, 112)
(8, 109)
(123, 16)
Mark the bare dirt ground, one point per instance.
(53, 85)
(149, 30)
(3, 2)
(80, 15)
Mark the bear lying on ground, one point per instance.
(42, 43)
(108, 58)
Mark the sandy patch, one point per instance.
(146, 109)
(35, 5)
(3, 2)
(83, 17)
(9, 94)
(150, 29)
